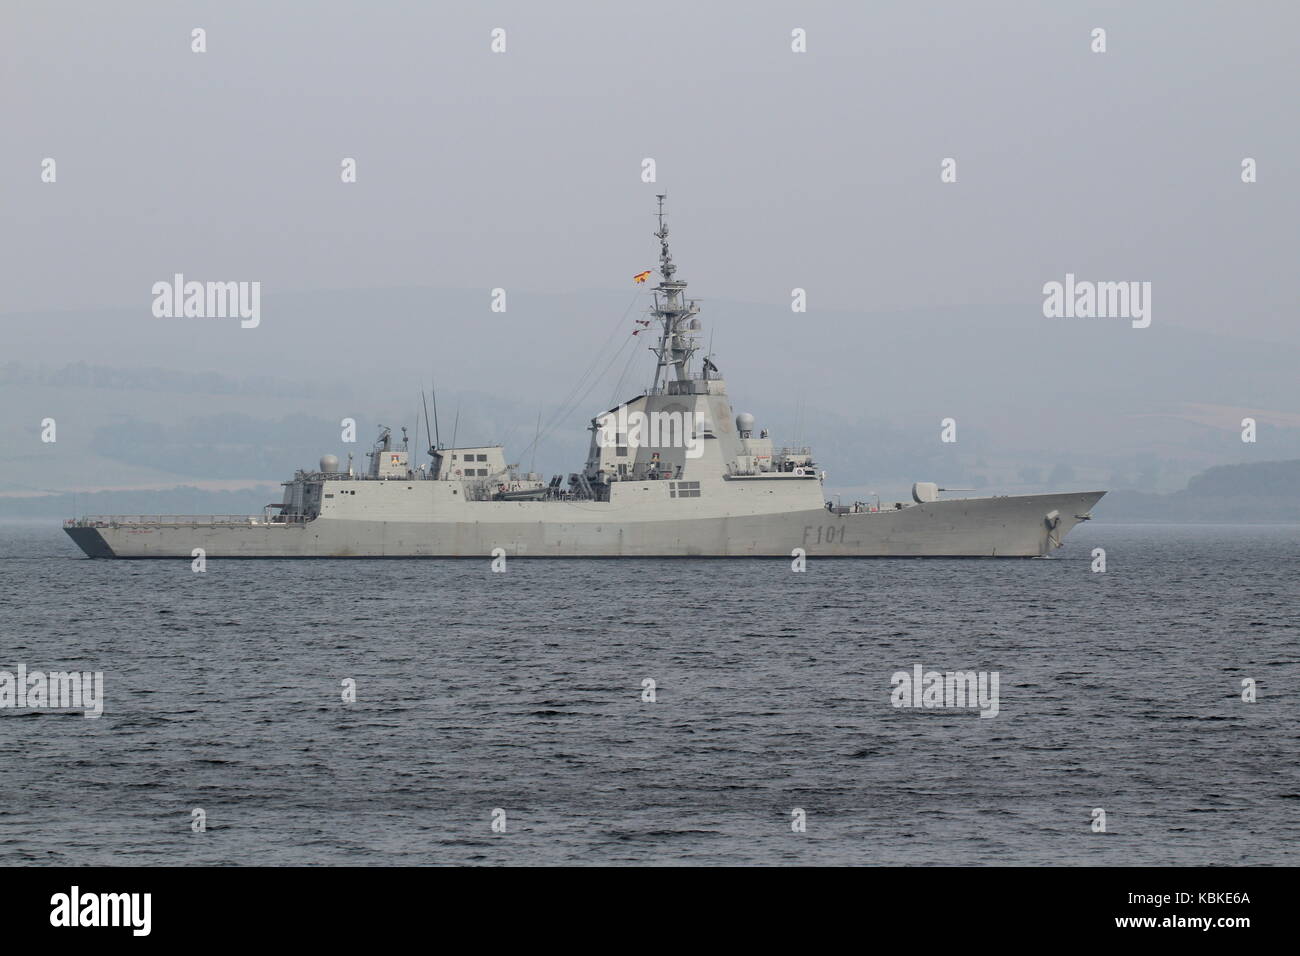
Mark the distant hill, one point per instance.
(82, 375)
(180, 501)
(1040, 405)
(1267, 492)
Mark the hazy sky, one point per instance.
(523, 169)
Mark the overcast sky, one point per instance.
(523, 169)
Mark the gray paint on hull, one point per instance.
(1012, 526)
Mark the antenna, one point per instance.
(532, 466)
(456, 425)
(433, 389)
(426, 422)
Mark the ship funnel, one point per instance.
(329, 464)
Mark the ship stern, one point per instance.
(89, 540)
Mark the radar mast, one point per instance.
(675, 313)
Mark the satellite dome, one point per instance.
(329, 464)
(744, 423)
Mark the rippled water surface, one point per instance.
(523, 691)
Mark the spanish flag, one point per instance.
(641, 276)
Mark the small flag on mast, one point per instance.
(641, 276)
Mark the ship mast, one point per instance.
(674, 312)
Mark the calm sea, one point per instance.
(523, 692)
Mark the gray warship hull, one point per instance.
(1002, 527)
(672, 472)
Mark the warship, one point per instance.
(672, 472)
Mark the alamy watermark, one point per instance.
(1083, 299)
(56, 690)
(208, 300)
(954, 689)
(130, 910)
(624, 429)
